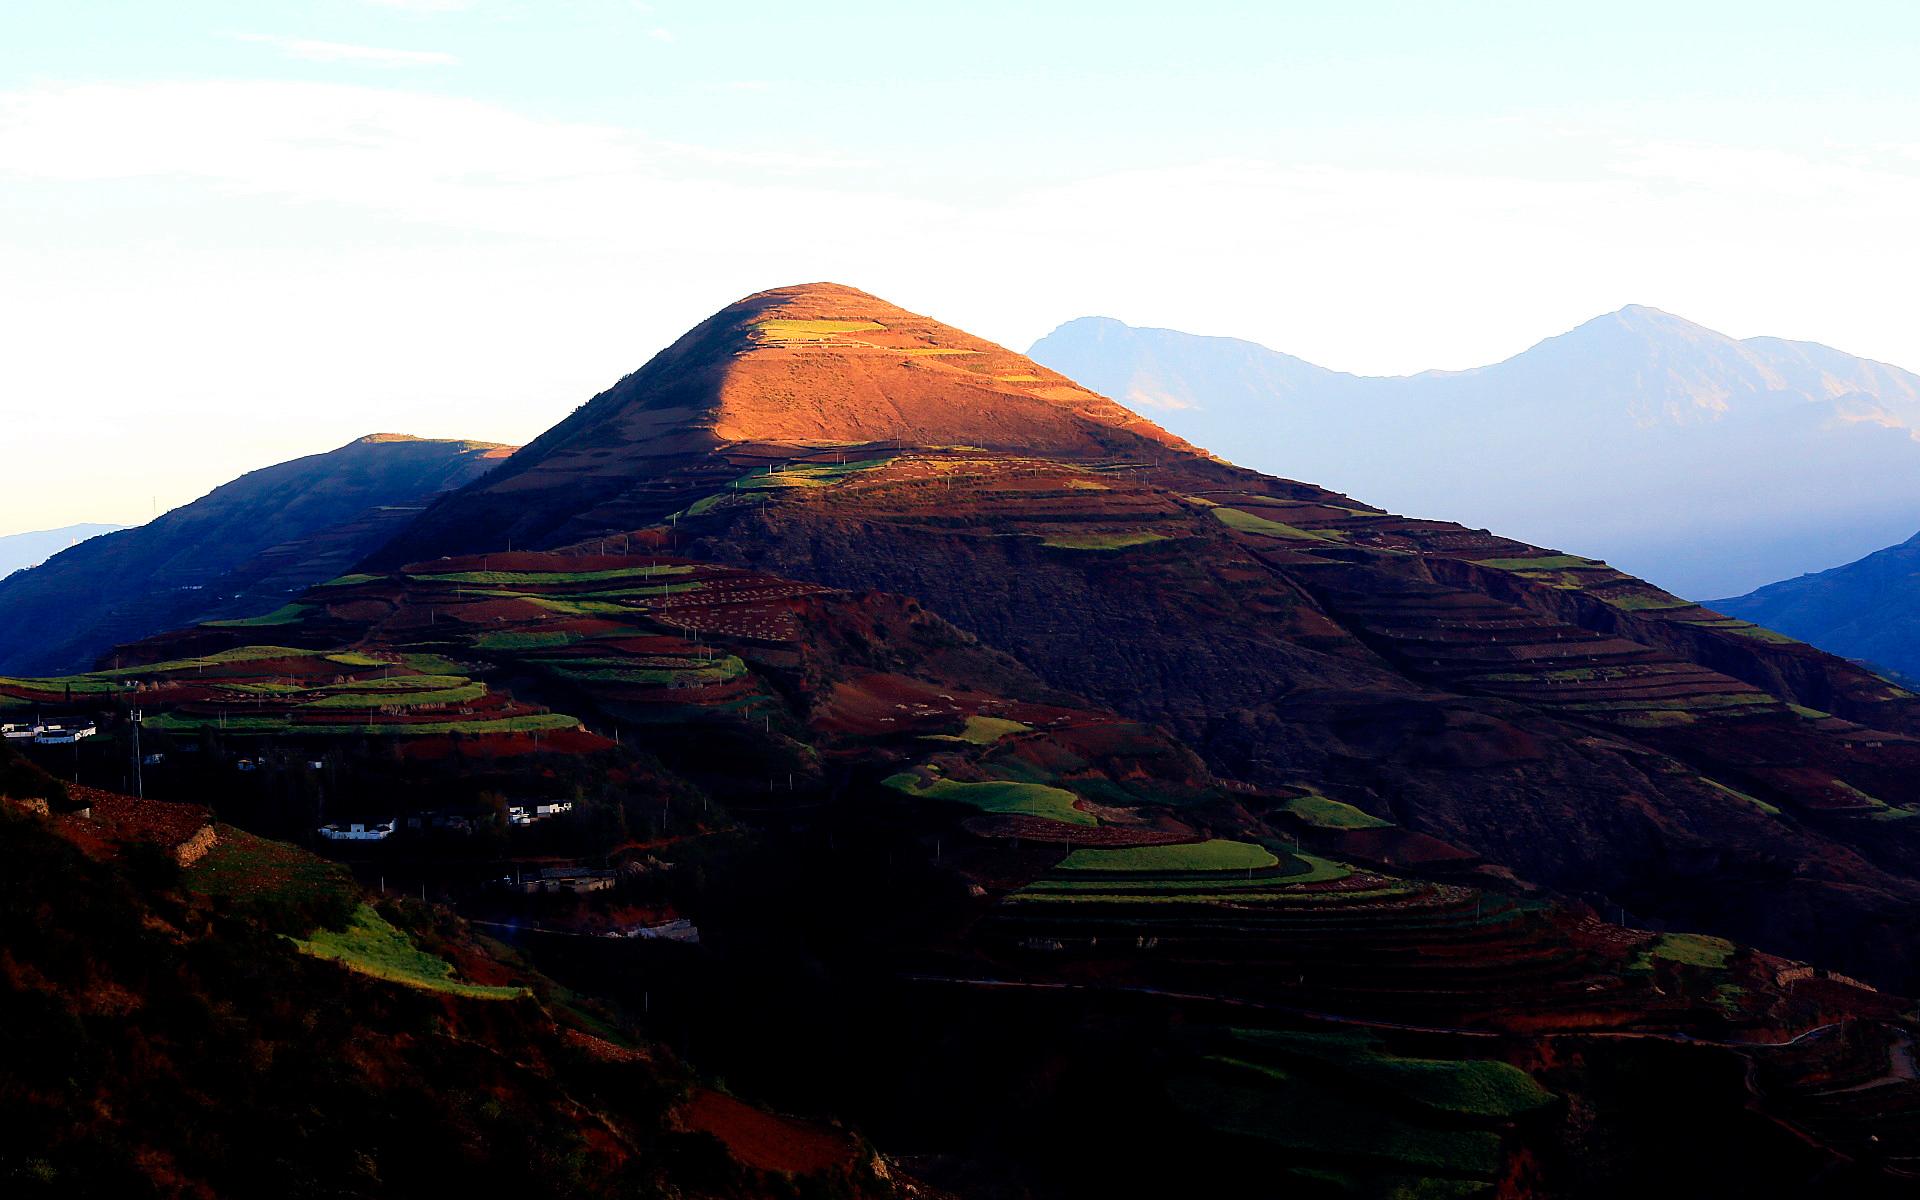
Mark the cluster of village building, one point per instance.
(47, 734)
(457, 822)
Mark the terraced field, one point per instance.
(1301, 930)
(1349, 1112)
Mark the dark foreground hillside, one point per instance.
(162, 1033)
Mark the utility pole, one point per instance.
(139, 780)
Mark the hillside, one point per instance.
(1864, 610)
(1495, 695)
(1188, 824)
(935, 848)
(189, 1017)
(1633, 437)
(21, 550)
(242, 549)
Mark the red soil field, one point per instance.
(763, 1140)
(116, 820)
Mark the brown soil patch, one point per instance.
(761, 1139)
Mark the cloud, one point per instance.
(660, 34)
(425, 6)
(313, 50)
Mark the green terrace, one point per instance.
(277, 690)
(1321, 812)
(1103, 541)
(1356, 1117)
(1214, 871)
(283, 726)
(509, 578)
(981, 731)
(780, 476)
(648, 671)
(286, 614)
(371, 945)
(226, 664)
(1246, 522)
(997, 796)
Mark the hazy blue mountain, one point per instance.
(1867, 610)
(21, 550)
(1707, 464)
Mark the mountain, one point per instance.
(1706, 464)
(1188, 823)
(1281, 630)
(21, 550)
(818, 365)
(238, 551)
(1864, 610)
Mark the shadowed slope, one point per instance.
(239, 550)
(1864, 610)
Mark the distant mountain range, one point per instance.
(19, 551)
(1707, 464)
(238, 551)
(1868, 610)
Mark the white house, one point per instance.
(63, 735)
(20, 730)
(359, 831)
(527, 814)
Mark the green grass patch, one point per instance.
(982, 731)
(1641, 602)
(286, 614)
(390, 699)
(1761, 633)
(253, 725)
(1737, 794)
(264, 688)
(1325, 813)
(523, 640)
(1246, 522)
(371, 945)
(1694, 949)
(1545, 562)
(998, 796)
(1103, 541)
(79, 685)
(350, 580)
(402, 683)
(692, 675)
(1472, 1087)
(540, 577)
(433, 664)
(580, 608)
(1218, 854)
(658, 589)
(288, 887)
(1303, 1115)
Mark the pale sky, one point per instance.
(237, 231)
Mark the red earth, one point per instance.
(761, 1139)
